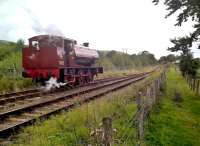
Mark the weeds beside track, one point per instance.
(13, 119)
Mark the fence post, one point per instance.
(108, 131)
(154, 85)
(197, 88)
(194, 84)
(147, 104)
(141, 124)
(186, 78)
(190, 83)
(189, 79)
(145, 101)
(139, 116)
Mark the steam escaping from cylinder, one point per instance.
(52, 84)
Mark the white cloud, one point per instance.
(106, 24)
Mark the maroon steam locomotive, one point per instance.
(59, 57)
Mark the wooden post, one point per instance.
(158, 87)
(197, 87)
(145, 102)
(154, 85)
(139, 115)
(108, 131)
(139, 100)
(141, 124)
(148, 100)
(14, 69)
(194, 86)
(190, 84)
(186, 78)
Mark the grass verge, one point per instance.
(11, 83)
(175, 122)
(73, 128)
(121, 73)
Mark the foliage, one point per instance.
(171, 123)
(11, 66)
(187, 10)
(20, 44)
(188, 65)
(113, 60)
(168, 58)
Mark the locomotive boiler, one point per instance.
(49, 56)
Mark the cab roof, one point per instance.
(41, 37)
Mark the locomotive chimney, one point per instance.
(86, 44)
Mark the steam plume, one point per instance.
(50, 29)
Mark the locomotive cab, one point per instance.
(43, 57)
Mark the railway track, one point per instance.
(27, 91)
(25, 111)
(21, 95)
(30, 91)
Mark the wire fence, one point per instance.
(145, 99)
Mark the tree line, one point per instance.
(114, 60)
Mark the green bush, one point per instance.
(11, 58)
(113, 60)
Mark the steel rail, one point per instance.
(66, 95)
(68, 101)
(15, 96)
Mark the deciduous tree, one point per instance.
(187, 10)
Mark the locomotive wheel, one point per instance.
(38, 81)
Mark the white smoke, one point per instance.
(52, 84)
(50, 29)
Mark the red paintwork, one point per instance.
(44, 58)
(54, 53)
(42, 72)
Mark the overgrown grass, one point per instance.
(11, 58)
(120, 73)
(175, 123)
(11, 83)
(73, 128)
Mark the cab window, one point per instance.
(35, 44)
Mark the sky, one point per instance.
(135, 25)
